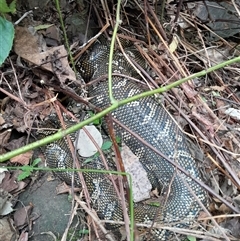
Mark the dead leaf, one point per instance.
(53, 33)
(140, 183)
(23, 236)
(21, 216)
(22, 158)
(155, 192)
(218, 88)
(224, 209)
(202, 216)
(2, 121)
(16, 143)
(24, 35)
(54, 59)
(2, 175)
(4, 137)
(7, 230)
(9, 183)
(232, 225)
(5, 202)
(234, 113)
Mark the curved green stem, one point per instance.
(78, 126)
(118, 21)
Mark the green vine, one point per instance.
(99, 115)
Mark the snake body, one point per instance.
(149, 120)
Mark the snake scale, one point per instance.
(148, 119)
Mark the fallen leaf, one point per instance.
(9, 183)
(23, 236)
(22, 158)
(218, 88)
(232, 225)
(15, 143)
(53, 59)
(5, 204)
(24, 35)
(21, 216)
(7, 230)
(4, 138)
(141, 185)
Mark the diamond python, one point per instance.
(147, 118)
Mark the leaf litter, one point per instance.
(36, 62)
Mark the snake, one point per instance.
(147, 118)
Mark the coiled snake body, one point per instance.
(147, 118)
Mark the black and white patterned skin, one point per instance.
(147, 118)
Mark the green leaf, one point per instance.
(215, 93)
(4, 8)
(97, 121)
(36, 161)
(6, 38)
(204, 99)
(106, 145)
(191, 238)
(24, 175)
(118, 139)
(90, 159)
(156, 204)
(26, 172)
(42, 26)
(12, 6)
(26, 168)
(70, 198)
(84, 231)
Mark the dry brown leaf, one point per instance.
(5, 202)
(22, 36)
(203, 215)
(23, 236)
(224, 209)
(36, 52)
(57, 62)
(9, 183)
(21, 216)
(7, 230)
(22, 158)
(141, 185)
(2, 121)
(15, 143)
(218, 88)
(232, 225)
(4, 136)
(155, 192)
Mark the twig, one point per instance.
(95, 218)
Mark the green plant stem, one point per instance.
(118, 21)
(78, 126)
(114, 102)
(115, 105)
(131, 207)
(65, 35)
